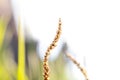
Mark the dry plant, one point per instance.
(52, 46)
(78, 65)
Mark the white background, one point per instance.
(90, 27)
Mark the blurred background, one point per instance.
(90, 33)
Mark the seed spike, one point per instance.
(78, 65)
(52, 46)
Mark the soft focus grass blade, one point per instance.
(21, 54)
(4, 75)
(2, 31)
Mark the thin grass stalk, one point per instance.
(52, 46)
(84, 72)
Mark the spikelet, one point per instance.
(78, 65)
(52, 46)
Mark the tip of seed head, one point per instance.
(60, 21)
